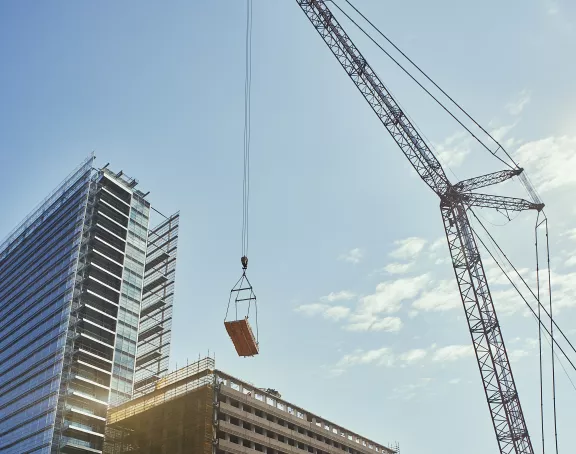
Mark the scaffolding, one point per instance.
(175, 418)
(154, 335)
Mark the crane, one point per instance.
(455, 200)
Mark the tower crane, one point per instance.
(455, 200)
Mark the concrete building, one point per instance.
(201, 410)
(86, 292)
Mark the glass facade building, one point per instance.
(86, 293)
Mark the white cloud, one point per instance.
(517, 106)
(398, 268)
(563, 290)
(500, 133)
(452, 353)
(438, 252)
(343, 295)
(389, 295)
(386, 357)
(570, 233)
(413, 356)
(518, 354)
(508, 302)
(382, 357)
(444, 296)
(409, 391)
(531, 342)
(312, 309)
(551, 162)
(335, 372)
(455, 381)
(453, 150)
(495, 276)
(353, 256)
(408, 249)
(337, 312)
(329, 312)
(436, 245)
(552, 8)
(365, 322)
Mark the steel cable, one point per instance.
(539, 333)
(518, 291)
(493, 153)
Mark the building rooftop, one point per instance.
(199, 376)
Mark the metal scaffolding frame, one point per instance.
(154, 336)
(176, 417)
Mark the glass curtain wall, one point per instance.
(38, 263)
(130, 298)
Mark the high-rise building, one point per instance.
(201, 410)
(86, 289)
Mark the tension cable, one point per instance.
(493, 153)
(520, 293)
(539, 331)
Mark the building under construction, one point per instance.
(201, 410)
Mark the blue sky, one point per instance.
(359, 320)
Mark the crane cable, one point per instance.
(539, 333)
(242, 291)
(493, 153)
(528, 185)
(247, 134)
(551, 335)
(522, 296)
(538, 224)
(436, 85)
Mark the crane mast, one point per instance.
(455, 200)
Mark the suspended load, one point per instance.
(239, 328)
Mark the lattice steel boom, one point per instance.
(500, 389)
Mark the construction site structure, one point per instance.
(201, 410)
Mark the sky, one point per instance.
(359, 318)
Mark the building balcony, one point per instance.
(73, 412)
(92, 367)
(111, 277)
(98, 296)
(113, 189)
(102, 247)
(96, 322)
(111, 230)
(93, 381)
(105, 263)
(112, 214)
(93, 357)
(87, 397)
(74, 446)
(104, 345)
(110, 209)
(83, 436)
(112, 199)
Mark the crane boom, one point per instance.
(379, 98)
(492, 358)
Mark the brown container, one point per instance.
(242, 337)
